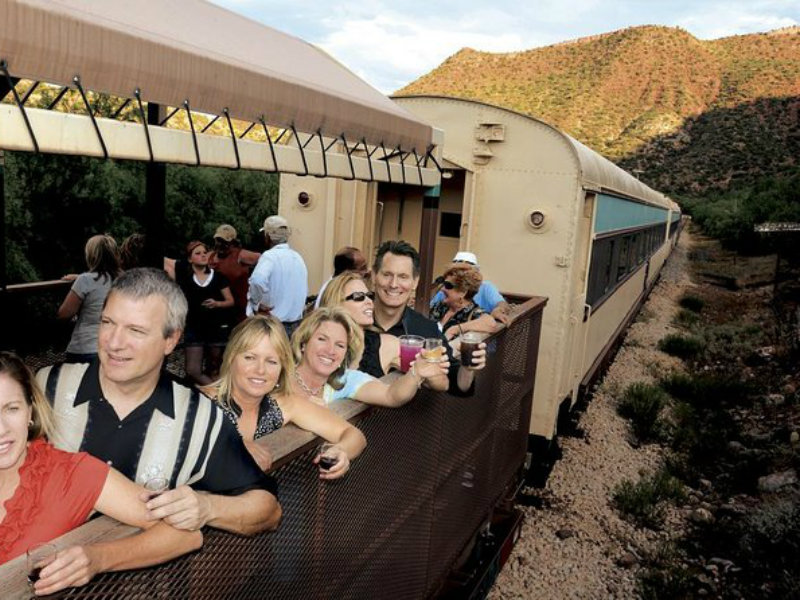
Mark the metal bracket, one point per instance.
(62, 92)
(324, 155)
(77, 81)
(13, 88)
(386, 159)
(419, 168)
(138, 94)
(271, 146)
(301, 147)
(246, 131)
(233, 138)
(209, 124)
(369, 158)
(194, 133)
(120, 109)
(403, 158)
(30, 91)
(349, 158)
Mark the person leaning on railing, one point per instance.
(326, 345)
(395, 275)
(127, 410)
(457, 312)
(255, 391)
(45, 493)
(86, 296)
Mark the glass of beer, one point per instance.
(469, 343)
(39, 556)
(410, 346)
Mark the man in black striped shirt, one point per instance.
(125, 409)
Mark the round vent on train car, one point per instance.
(304, 200)
(537, 220)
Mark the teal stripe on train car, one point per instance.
(615, 213)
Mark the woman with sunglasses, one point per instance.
(457, 312)
(256, 391)
(381, 350)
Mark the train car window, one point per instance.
(450, 225)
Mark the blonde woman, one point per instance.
(87, 295)
(255, 390)
(45, 493)
(326, 346)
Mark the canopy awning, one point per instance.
(193, 50)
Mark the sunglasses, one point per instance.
(360, 296)
(449, 285)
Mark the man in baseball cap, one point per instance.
(488, 296)
(279, 283)
(235, 263)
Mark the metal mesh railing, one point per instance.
(396, 525)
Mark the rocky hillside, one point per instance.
(691, 115)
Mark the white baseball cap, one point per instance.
(467, 257)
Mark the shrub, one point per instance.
(642, 403)
(685, 347)
(686, 318)
(692, 303)
(643, 502)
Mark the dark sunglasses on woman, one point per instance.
(449, 285)
(360, 296)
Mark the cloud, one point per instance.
(716, 20)
(390, 44)
(392, 49)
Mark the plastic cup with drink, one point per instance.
(469, 344)
(410, 347)
(433, 350)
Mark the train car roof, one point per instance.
(595, 171)
(192, 49)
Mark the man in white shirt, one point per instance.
(279, 283)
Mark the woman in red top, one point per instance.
(45, 493)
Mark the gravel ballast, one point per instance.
(577, 545)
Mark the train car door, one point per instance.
(579, 312)
(399, 214)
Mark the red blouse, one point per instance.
(57, 491)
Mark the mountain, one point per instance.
(688, 115)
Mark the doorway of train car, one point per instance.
(579, 311)
(399, 216)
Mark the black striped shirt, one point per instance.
(177, 433)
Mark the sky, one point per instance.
(390, 44)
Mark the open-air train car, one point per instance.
(400, 525)
(545, 215)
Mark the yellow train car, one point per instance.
(545, 215)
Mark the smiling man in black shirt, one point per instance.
(126, 410)
(395, 275)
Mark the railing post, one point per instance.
(4, 89)
(155, 199)
(427, 246)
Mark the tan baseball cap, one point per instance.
(275, 224)
(225, 232)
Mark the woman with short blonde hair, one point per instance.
(256, 392)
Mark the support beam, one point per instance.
(427, 246)
(155, 200)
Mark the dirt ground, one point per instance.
(576, 545)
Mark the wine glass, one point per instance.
(327, 456)
(38, 557)
(156, 485)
